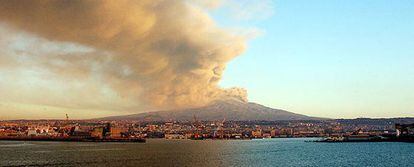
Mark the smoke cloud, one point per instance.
(146, 54)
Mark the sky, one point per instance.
(337, 59)
(324, 58)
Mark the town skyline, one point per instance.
(319, 59)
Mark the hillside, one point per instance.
(228, 109)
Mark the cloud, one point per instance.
(121, 55)
(208, 4)
(249, 10)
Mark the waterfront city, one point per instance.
(222, 129)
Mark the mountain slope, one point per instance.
(229, 109)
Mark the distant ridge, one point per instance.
(230, 109)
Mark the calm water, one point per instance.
(268, 152)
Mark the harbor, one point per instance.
(70, 139)
(404, 133)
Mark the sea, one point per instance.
(159, 152)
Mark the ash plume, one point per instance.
(163, 54)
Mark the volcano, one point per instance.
(233, 109)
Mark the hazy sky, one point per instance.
(326, 58)
(332, 58)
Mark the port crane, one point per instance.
(198, 128)
(219, 130)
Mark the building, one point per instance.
(116, 132)
(257, 133)
(404, 129)
(274, 133)
(32, 132)
(98, 132)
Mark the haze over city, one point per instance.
(90, 59)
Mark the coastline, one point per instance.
(71, 139)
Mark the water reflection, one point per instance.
(274, 152)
